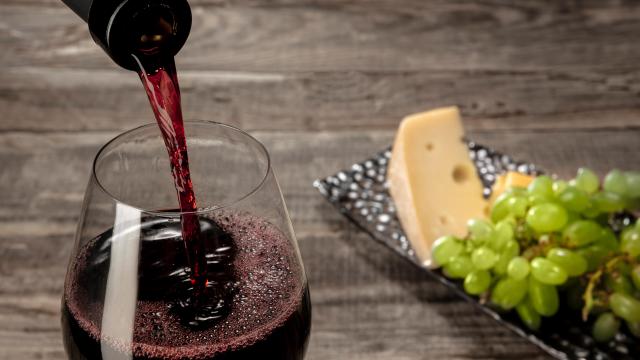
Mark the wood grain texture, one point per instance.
(41, 99)
(359, 35)
(323, 83)
(337, 65)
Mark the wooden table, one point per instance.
(323, 84)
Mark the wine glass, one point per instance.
(128, 293)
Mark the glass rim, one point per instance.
(199, 211)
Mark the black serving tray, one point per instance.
(361, 194)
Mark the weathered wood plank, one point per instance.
(40, 99)
(369, 304)
(360, 35)
(598, 87)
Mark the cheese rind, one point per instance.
(433, 182)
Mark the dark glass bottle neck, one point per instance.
(80, 7)
(153, 30)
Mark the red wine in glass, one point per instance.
(269, 317)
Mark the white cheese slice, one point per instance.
(432, 181)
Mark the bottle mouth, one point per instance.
(150, 30)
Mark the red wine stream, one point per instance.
(163, 91)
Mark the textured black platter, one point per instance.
(361, 194)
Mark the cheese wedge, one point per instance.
(433, 182)
(499, 186)
(508, 180)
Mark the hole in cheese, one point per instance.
(443, 220)
(460, 174)
(428, 146)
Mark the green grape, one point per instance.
(630, 241)
(469, 246)
(608, 240)
(574, 199)
(446, 248)
(572, 216)
(581, 233)
(625, 306)
(538, 199)
(587, 180)
(528, 314)
(541, 186)
(477, 282)
(547, 217)
(496, 243)
(500, 268)
(500, 207)
(513, 222)
(573, 263)
(591, 212)
(608, 202)
(503, 233)
(547, 272)
(635, 276)
(510, 250)
(483, 258)
(595, 255)
(518, 268)
(544, 298)
(606, 327)
(619, 283)
(633, 183)
(508, 292)
(508, 204)
(634, 328)
(517, 206)
(559, 186)
(480, 230)
(458, 267)
(615, 182)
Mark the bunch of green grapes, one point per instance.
(553, 239)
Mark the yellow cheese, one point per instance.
(516, 179)
(509, 180)
(499, 186)
(433, 182)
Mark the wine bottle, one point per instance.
(152, 30)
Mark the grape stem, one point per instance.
(594, 279)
